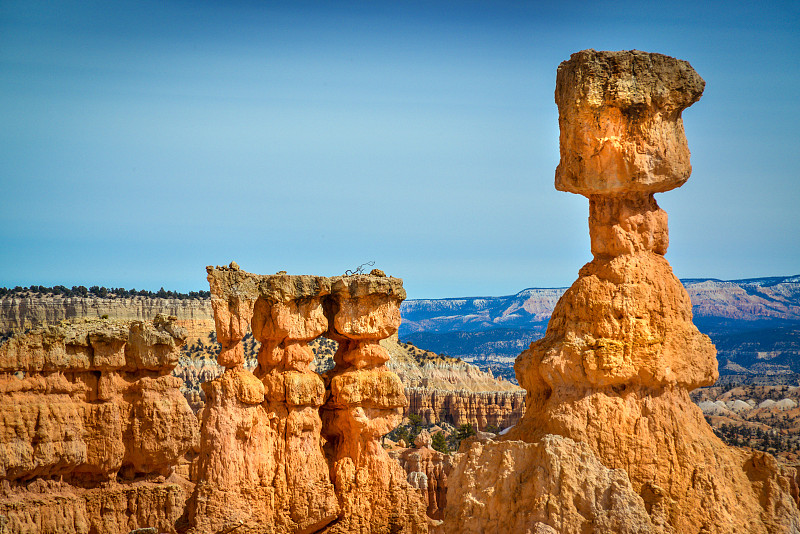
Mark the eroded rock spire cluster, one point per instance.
(263, 432)
(610, 441)
(95, 435)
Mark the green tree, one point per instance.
(439, 443)
(415, 426)
(462, 432)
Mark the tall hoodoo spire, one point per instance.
(611, 441)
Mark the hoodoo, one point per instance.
(610, 441)
(283, 449)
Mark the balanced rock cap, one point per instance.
(620, 121)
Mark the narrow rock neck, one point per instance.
(627, 224)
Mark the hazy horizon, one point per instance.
(452, 297)
(142, 141)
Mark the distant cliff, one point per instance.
(20, 312)
(753, 299)
(443, 389)
(754, 322)
(748, 300)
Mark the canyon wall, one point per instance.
(95, 435)
(24, 311)
(610, 440)
(442, 389)
(481, 409)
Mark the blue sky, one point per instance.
(141, 141)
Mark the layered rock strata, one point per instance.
(264, 467)
(608, 404)
(94, 433)
(19, 313)
(481, 409)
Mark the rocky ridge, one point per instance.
(94, 432)
(21, 312)
(746, 300)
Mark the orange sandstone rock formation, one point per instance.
(263, 466)
(427, 469)
(91, 425)
(608, 405)
(481, 409)
(366, 402)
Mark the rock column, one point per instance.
(609, 429)
(288, 314)
(237, 462)
(621, 353)
(263, 467)
(366, 402)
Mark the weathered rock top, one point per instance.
(96, 345)
(281, 287)
(620, 121)
(628, 79)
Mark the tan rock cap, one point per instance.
(620, 122)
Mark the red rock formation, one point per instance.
(482, 409)
(86, 409)
(610, 379)
(366, 402)
(284, 322)
(263, 465)
(427, 470)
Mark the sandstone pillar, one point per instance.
(236, 464)
(263, 465)
(366, 402)
(608, 386)
(286, 317)
(621, 352)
